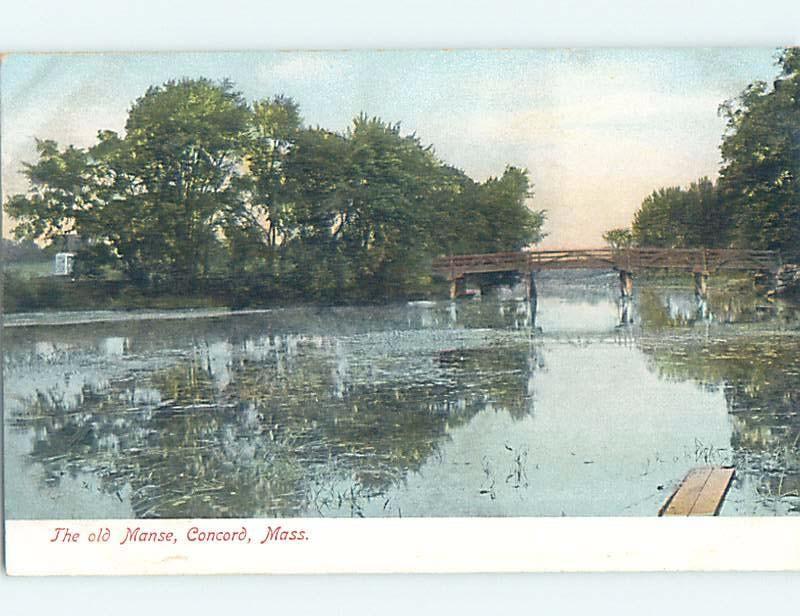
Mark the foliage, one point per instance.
(618, 238)
(756, 202)
(760, 175)
(155, 197)
(23, 251)
(676, 217)
(201, 183)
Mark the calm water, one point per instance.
(477, 408)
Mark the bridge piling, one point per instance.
(625, 284)
(700, 284)
(625, 312)
(458, 286)
(532, 295)
(530, 287)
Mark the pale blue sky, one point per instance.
(598, 129)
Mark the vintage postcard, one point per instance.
(401, 311)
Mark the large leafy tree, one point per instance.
(61, 194)
(373, 206)
(274, 128)
(255, 230)
(199, 175)
(154, 198)
(312, 251)
(492, 216)
(676, 217)
(760, 175)
(360, 207)
(508, 223)
(389, 179)
(180, 160)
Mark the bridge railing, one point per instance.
(628, 259)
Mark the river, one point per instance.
(472, 408)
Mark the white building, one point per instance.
(63, 263)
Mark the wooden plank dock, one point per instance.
(701, 492)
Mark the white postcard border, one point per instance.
(412, 545)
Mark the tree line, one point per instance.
(755, 202)
(202, 183)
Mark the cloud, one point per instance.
(598, 129)
(645, 112)
(302, 66)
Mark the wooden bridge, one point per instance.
(699, 261)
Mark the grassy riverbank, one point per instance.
(28, 291)
(25, 293)
(727, 281)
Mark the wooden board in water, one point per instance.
(700, 493)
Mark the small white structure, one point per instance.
(63, 264)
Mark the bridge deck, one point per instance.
(625, 259)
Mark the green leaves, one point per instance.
(676, 217)
(618, 238)
(756, 201)
(60, 192)
(760, 175)
(201, 182)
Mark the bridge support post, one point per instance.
(700, 284)
(530, 287)
(531, 295)
(625, 283)
(457, 287)
(533, 299)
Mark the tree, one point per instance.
(199, 180)
(676, 217)
(180, 160)
(760, 175)
(618, 238)
(508, 223)
(274, 128)
(155, 198)
(362, 203)
(60, 196)
(312, 251)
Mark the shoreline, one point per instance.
(122, 316)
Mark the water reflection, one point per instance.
(581, 405)
(270, 425)
(759, 377)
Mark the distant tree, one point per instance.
(675, 217)
(618, 238)
(760, 175)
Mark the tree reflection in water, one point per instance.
(287, 425)
(759, 372)
(331, 411)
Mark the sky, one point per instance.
(598, 130)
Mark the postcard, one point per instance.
(401, 311)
